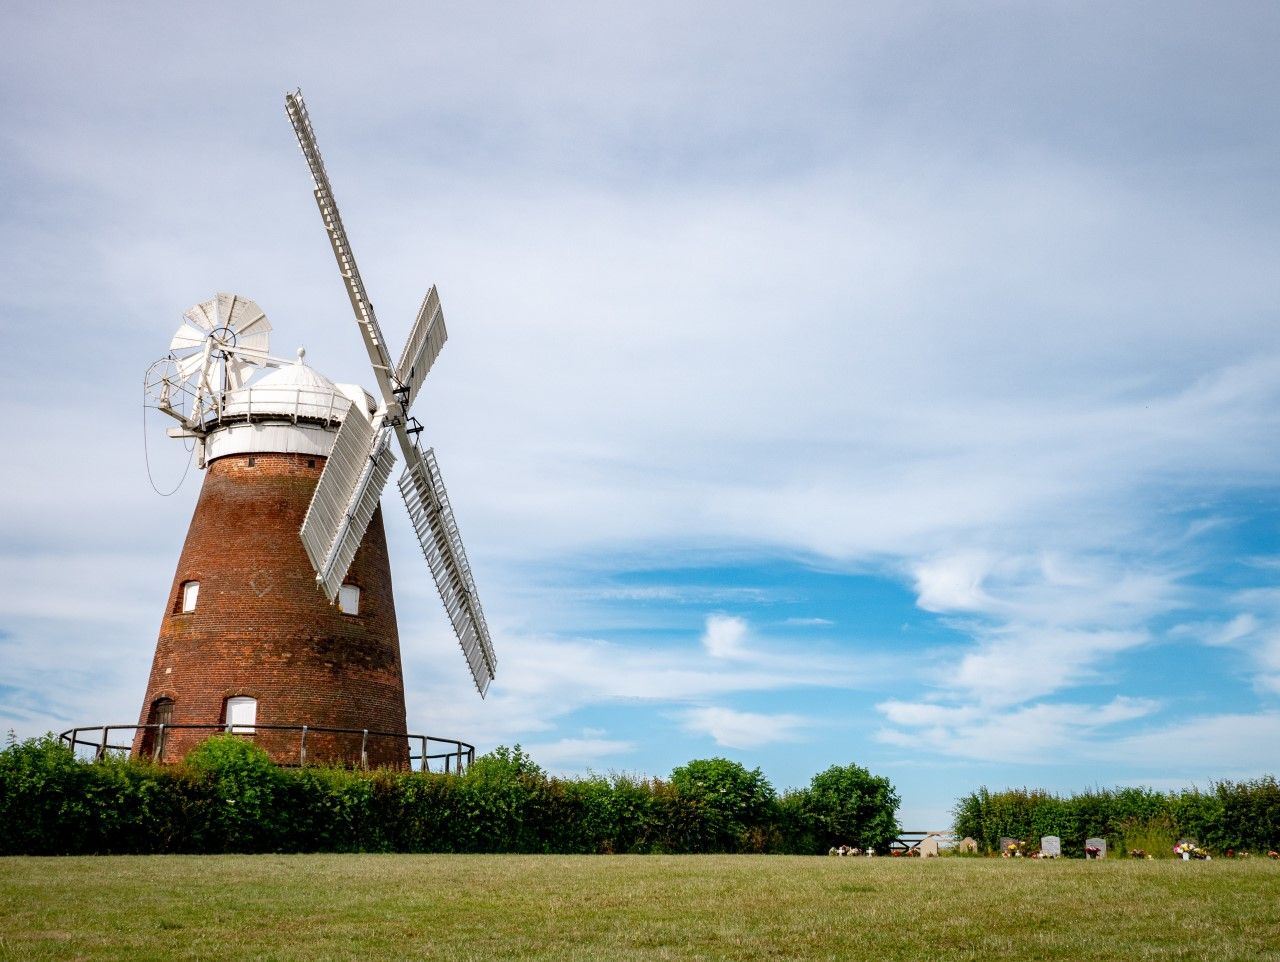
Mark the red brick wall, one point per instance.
(263, 628)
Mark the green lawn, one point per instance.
(325, 907)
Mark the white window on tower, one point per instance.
(190, 591)
(242, 714)
(349, 599)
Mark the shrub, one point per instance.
(731, 809)
(242, 788)
(43, 806)
(1249, 815)
(847, 805)
(499, 798)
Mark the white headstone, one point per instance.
(968, 844)
(1099, 843)
(928, 847)
(1050, 847)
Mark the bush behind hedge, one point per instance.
(227, 796)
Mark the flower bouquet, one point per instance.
(1190, 850)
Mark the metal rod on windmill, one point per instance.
(360, 464)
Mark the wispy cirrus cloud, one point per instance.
(1043, 733)
(545, 681)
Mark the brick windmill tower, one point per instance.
(281, 614)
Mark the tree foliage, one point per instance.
(847, 805)
(737, 807)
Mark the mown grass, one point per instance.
(338, 907)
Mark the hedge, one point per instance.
(227, 796)
(1236, 816)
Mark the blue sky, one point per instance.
(889, 383)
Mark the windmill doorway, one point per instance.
(153, 738)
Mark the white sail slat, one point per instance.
(224, 306)
(433, 522)
(252, 329)
(426, 339)
(202, 315)
(188, 336)
(190, 365)
(345, 498)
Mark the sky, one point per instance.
(878, 383)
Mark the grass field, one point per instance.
(329, 907)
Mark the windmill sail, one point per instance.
(433, 521)
(345, 498)
(426, 340)
(369, 329)
(420, 484)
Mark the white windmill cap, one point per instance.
(293, 391)
(293, 409)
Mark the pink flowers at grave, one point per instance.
(1190, 850)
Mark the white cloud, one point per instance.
(725, 636)
(576, 754)
(544, 680)
(742, 729)
(953, 583)
(1047, 587)
(1039, 623)
(1267, 659)
(1255, 633)
(1207, 746)
(1239, 627)
(925, 714)
(1044, 733)
(1019, 663)
(1219, 634)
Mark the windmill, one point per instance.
(281, 616)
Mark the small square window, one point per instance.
(190, 592)
(252, 461)
(242, 714)
(349, 599)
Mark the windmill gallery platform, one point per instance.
(280, 622)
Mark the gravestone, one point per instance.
(928, 847)
(1050, 847)
(1099, 843)
(1005, 843)
(968, 846)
